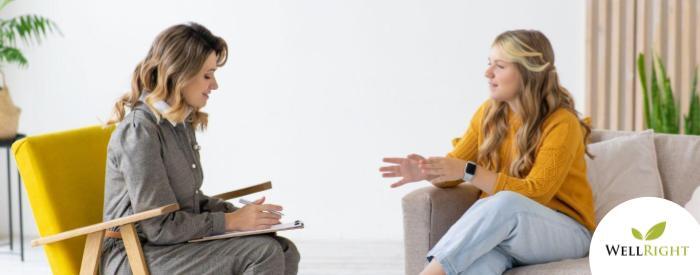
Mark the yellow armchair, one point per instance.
(64, 175)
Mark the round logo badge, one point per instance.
(646, 236)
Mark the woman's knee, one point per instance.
(267, 250)
(508, 200)
(291, 255)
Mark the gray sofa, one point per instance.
(430, 211)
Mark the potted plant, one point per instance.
(660, 110)
(30, 29)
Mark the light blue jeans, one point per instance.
(508, 229)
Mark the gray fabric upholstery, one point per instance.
(429, 211)
(679, 160)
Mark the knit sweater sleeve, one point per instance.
(466, 147)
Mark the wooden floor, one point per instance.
(318, 258)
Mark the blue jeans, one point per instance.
(505, 230)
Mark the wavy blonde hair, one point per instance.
(176, 56)
(540, 95)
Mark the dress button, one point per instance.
(194, 166)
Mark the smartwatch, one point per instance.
(469, 171)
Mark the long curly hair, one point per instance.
(176, 56)
(540, 95)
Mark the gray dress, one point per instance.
(151, 164)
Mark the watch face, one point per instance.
(471, 168)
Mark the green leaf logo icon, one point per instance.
(656, 231)
(637, 234)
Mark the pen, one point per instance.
(244, 201)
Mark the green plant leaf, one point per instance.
(656, 231)
(28, 28)
(692, 120)
(661, 74)
(641, 70)
(12, 55)
(637, 235)
(669, 117)
(655, 99)
(670, 110)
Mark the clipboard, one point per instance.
(278, 227)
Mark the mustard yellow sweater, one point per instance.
(557, 178)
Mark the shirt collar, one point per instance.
(161, 106)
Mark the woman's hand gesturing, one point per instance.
(442, 169)
(254, 216)
(407, 168)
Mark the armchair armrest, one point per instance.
(428, 213)
(244, 191)
(106, 225)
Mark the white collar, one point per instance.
(161, 106)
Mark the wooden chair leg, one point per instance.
(92, 253)
(134, 252)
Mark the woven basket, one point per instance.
(9, 113)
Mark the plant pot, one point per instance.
(9, 113)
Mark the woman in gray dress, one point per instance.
(153, 160)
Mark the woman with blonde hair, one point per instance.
(524, 149)
(153, 160)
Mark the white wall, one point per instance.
(314, 95)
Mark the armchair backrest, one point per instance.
(64, 174)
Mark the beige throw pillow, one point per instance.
(623, 168)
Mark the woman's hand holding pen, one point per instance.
(254, 216)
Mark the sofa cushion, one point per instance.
(679, 165)
(693, 206)
(623, 168)
(564, 267)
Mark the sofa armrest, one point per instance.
(428, 213)
(85, 230)
(244, 191)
